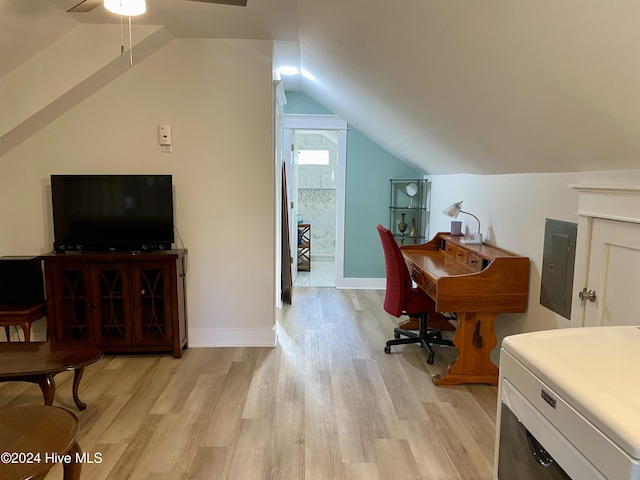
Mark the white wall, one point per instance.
(216, 94)
(512, 210)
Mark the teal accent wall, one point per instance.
(299, 103)
(369, 169)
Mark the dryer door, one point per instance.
(522, 457)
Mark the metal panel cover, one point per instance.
(557, 266)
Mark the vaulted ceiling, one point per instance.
(449, 86)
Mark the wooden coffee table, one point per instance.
(39, 362)
(34, 438)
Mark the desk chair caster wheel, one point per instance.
(387, 349)
(430, 358)
(396, 335)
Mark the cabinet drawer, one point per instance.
(475, 261)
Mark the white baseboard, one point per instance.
(361, 283)
(232, 337)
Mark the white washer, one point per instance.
(572, 397)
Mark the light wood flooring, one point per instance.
(327, 403)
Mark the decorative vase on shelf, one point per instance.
(413, 232)
(402, 226)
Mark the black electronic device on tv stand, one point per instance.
(97, 247)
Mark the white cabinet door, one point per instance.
(613, 274)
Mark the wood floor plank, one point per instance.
(98, 420)
(140, 437)
(289, 436)
(171, 446)
(224, 424)
(105, 456)
(326, 403)
(210, 463)
(254, 452)
(456, 433)
(173, 397)
(430, 452)
(261, 401)
(396, 460)
(362, 471)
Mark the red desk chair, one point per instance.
(401, 298)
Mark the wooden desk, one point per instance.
(477, 282)
(39, 362)
(21, 315)
(33, 437)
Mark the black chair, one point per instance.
(401, 298)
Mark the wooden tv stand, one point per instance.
(119, 302)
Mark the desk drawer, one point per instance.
(449, 249)
(475, 261)
(424, 282)
(456, 252)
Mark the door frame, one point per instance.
(323, 122)
(611, 202)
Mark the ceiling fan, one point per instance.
(88, 5)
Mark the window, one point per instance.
(313, 157)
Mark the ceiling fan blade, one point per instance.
(239, 3)
(85, 6)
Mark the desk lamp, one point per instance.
(455, 210)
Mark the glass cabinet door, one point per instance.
(111, 307)
(73, 303)
(152, 303)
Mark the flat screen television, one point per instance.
(112, 212)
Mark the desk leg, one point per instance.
(474, 339)
(48, 388)
(77, 376)
(72, 469)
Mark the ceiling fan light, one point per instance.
(128, 8)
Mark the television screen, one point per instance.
(112, 212)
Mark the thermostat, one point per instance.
(164, 134)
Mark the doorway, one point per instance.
(315, 159)
(315, 151)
